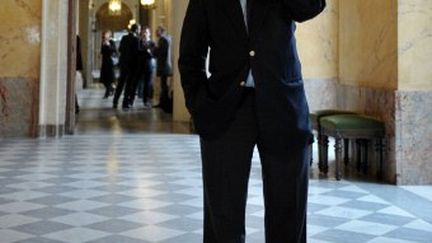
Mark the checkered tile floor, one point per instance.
(126, 188)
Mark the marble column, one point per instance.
(414, 96)
(53, 77)
(177, 15)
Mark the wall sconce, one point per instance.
(115, 7)
(148, 4)
(91, 4)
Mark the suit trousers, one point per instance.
(127, 82)
(124, 74)
(226, 168)
(164, 92)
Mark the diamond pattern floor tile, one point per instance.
(104, 187)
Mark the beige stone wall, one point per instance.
(368, 43)
(20, 31)
(317, 42)
(178, 10)
(20, 41)
(415, 44)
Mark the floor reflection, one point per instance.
(97, 116)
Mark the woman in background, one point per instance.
(108, 51)
(146, 67)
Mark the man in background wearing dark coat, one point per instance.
(79, 68)
(164, 68)
(128, 67)
(253, 97)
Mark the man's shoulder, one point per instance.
(166, 38)
(162, 39)
(124, 38)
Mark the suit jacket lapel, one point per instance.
(258, 12)
(233, 10)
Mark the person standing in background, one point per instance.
(146, 67)
(108, 51)
(79, 68)
(128, 67)
(164, 68)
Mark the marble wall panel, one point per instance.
(18, 107)
(368, 43)
(413, 137)
(321, 93)
(415, 44)
(317, 42)
(379, 103)
(20, 28)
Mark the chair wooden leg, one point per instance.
(358, 153)
(320, 152)
(323, 153)
(338, 153)
(366, 155)
(380, 152)
(346, 151)
(311, 154)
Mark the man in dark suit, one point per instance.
(164, 67)
(128, 67)
(254, 96)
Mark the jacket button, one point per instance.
(252, 53)
(242, 83)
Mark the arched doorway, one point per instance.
(117, 24)
(105, 20)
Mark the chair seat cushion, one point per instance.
(315, 116)
(351, 122)
(330, 112)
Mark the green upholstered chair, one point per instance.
(353, 127)
(315, 120)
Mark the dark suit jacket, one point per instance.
(163, 56)
(129, 52)
(268, 47)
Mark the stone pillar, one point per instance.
(53, 78)
(413, 101)
(20, 36)
(177, 15)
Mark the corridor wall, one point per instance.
(385, 55)
(20, 40)
(368, 65)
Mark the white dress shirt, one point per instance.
(250, 82)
